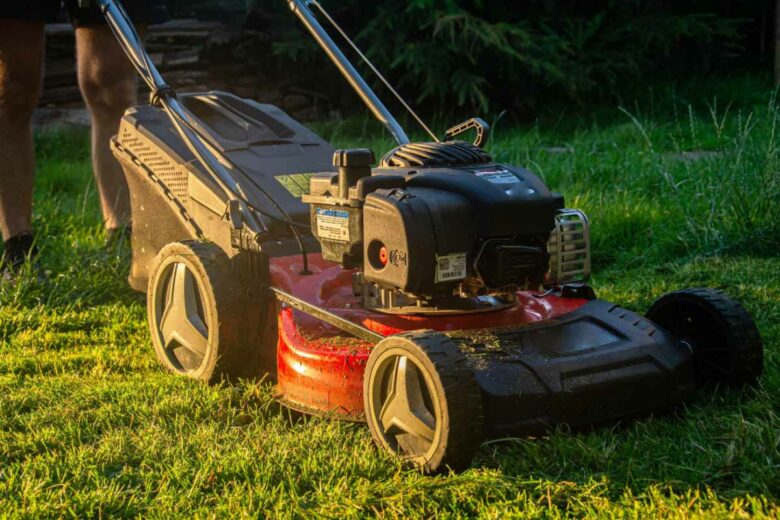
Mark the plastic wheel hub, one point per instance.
(180, 320)
(401, 405)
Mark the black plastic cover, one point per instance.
(172, 198)
(486, 223)
(415, 226)
(505, 200)
(271, 150)
(597, 364)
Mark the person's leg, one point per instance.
(108, 84)
(21, 75)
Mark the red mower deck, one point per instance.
(320, 369)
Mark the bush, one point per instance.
(470, 52)
(502, 54)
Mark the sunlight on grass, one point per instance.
(91, 426)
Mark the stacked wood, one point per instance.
(193, 56)
(177, 48)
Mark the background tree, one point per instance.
(499, 54)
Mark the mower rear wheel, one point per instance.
(197, 313)
(727, 347)
(422, 401)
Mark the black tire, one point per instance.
(727, 347)
(449, 398)
(200, 314)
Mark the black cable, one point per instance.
(279, 219)
(159, 93)
(373, 68)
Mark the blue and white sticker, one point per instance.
(497, 176)
(333, 224)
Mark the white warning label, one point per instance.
(333, 224)
(497, 176)
(451, 267)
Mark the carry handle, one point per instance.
(475, 123)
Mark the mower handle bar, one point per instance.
(164, 96)
(356, 81)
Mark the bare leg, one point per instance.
(108, 84)
(21, 74)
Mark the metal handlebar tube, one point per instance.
(128, 38)
(380, 111)
(325, 315)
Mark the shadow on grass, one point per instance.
(723, 440)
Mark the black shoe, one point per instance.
(16, 251)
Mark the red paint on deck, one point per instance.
(320, 369)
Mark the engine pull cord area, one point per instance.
(373, 68)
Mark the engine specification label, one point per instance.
(333, 224)
(497, 176)
(451, 267)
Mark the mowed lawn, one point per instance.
(683, 189)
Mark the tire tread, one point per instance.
(743, 336)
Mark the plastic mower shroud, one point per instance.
(439, 296)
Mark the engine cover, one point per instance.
(485, 226)
(417, 240)
(506, 200)
(433, 236)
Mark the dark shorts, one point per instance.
(141, 12)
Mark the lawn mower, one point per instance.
(436, 294)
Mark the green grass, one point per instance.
(90, 426)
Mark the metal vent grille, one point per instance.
(569, 247)
(173, 175)
(455, 153)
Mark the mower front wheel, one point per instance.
(198, 314)
(727, 347)
(422, 401)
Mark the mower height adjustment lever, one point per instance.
(475, 123)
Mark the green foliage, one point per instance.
(91, 427)
(498, 55)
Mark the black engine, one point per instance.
(438, 227)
